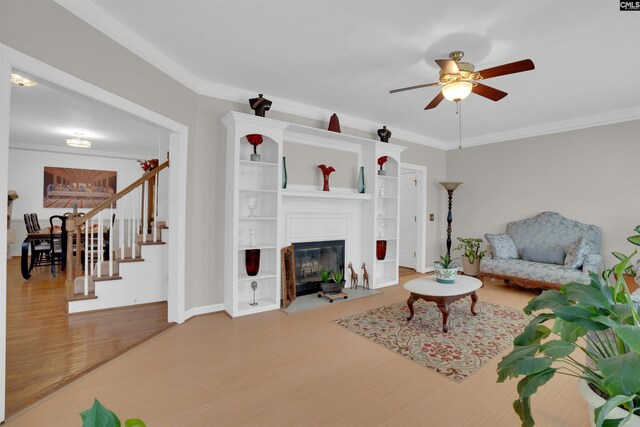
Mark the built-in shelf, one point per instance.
(264, 304)
(258, 218)
(388, 197)
(386, 260)
(258, 164)
(387, 177)
(256, 190)
(261, 275)
(258, 246)
(326, 194)
(387, 217)
(386, 282)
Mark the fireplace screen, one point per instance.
(313, 257)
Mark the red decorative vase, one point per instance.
(252, 261)
(381, 249)
(326, 171)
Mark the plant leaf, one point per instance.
(532, 365)
(557, 348)
(531, 333)
(530, 384)
(134, 422)
(619, 255)
(613, 402)
(630, 335)
(620, 374)
(580, 316)
(522, 407)
(506, 367)
(568, 331)
(547, 299)
(634, 240)
(587, 295)
(99, 416)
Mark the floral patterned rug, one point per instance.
(472, 341)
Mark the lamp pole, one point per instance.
(450, 187)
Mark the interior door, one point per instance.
(408, 218)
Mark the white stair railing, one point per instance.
(94, 235)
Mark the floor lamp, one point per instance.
(450, 187)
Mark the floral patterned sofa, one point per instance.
(547, 231)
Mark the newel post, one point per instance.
(71, 228)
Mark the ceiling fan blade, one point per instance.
(448, 66)
(514, 67)
(413, 87)
(435, 101)
(488, 92)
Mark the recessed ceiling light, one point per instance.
(22, 81)
(78, 142)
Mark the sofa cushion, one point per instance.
(502, 246)
(576, 253)
(548, 255)
(548, 273)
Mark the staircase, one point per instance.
(117, 253)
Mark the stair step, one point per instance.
(82, 297)
(78, 288)
(151, 243)
(106, 278)
(126, 260)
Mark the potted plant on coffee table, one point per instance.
(599, 319)
(445, 269)
(472, 255)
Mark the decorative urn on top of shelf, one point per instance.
(384, 134)
(334, 123)
(381, 161)
(260, 105)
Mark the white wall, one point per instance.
(26, 176)
(590, 175)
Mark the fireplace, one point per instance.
(312, 257)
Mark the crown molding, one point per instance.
(14, 145)
(583, 122)
(111, 27)
(114, 29)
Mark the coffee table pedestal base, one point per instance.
(443, 304)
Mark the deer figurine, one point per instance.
(365, 277)
(354, 277)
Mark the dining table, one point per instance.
(27, 260)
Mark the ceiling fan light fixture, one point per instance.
(457, 91)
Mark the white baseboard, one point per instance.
(205, 309)
(427, 270)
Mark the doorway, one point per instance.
(413, 216)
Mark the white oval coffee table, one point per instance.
(426, 288)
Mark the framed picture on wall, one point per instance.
(84, 188)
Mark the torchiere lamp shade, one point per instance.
(450, 186)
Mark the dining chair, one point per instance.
(58, 242)
(40, 248)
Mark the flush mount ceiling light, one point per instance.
(457, 91)
(22, 81)
(78, 142)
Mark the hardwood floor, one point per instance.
(46, 348)
(274, 369)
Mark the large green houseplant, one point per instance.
(600, 320)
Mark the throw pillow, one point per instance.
(547, 256)
(576, 253)
(502, 246)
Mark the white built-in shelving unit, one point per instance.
(248, 179)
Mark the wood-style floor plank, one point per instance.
(47, 348)
(275, 369)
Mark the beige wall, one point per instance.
(590, 175)
(47, 32)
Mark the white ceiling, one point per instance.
(345, 57)
(44, 116)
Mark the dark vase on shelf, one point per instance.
(284, 172)
(361, 187)
(381, 249)
(252, 261)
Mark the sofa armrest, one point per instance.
(591, 263)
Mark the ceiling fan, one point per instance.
(459, 79)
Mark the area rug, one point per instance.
(472, 341)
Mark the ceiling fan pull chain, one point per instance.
(459, 113)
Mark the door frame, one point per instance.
(421, 210)
(11, 58)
